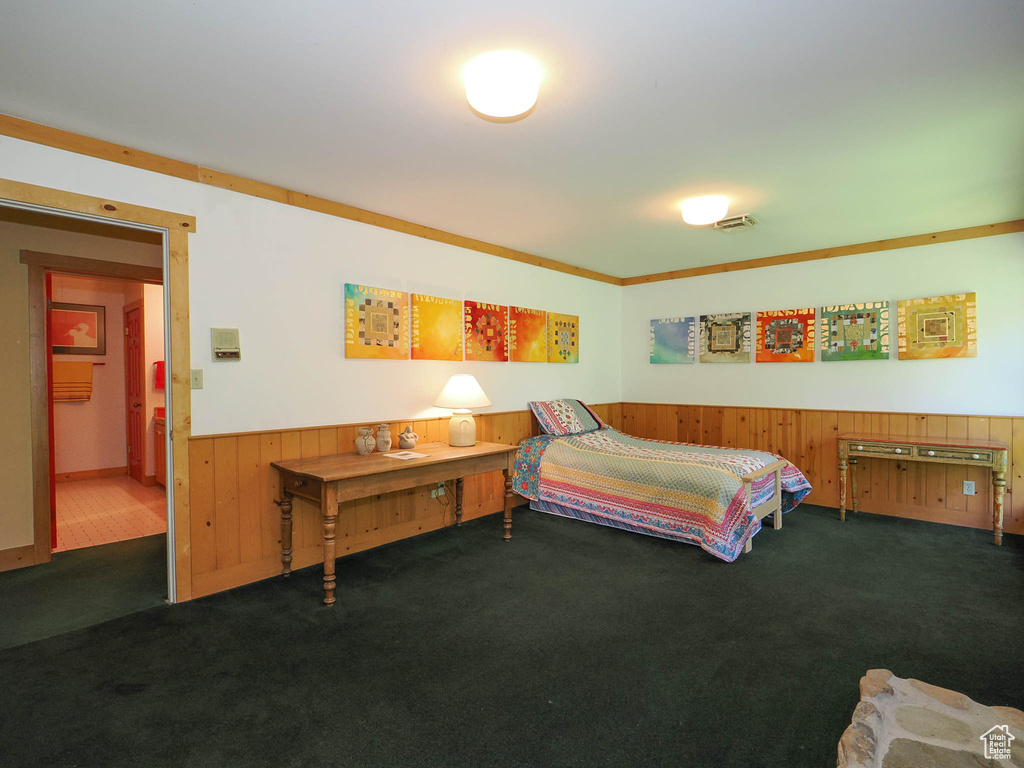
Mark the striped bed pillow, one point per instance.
(565, 417)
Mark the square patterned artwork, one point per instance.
(942, 326)
(436, 328)
(785, 336)
(563, 338)
(486, 332)
(527, 335)
(725, 338)
(855, 331)
(376, 323)
(673, 340)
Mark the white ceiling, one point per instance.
(833, 122)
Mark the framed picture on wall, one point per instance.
(78, 329)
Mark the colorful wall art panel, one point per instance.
(436, 328)
(855, 331)
(725, 338)
(785, 336)
(486, 329)
(673, 340)
(563, 338)
(942, 326)
(376, 323)
(527, 335)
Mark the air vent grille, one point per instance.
(743, 221)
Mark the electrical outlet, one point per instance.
(440, 490)
(197, 378)
(433, 493)
(968, 487)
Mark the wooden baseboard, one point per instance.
(149, 480)
(90, 474)
(17, 557)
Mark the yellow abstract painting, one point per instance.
(436, 328)
(563, 338)
(376, 323)
(941, 326)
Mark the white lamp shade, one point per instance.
(462, 391)
(502, 83)
(699, 211)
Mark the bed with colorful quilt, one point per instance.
(704, 495)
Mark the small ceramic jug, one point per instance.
(365, 441)
(407, 438)
(384, 438)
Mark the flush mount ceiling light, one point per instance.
(502, 84)
(699, 211)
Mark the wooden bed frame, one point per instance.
(774, 504)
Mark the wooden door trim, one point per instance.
(39, 391)
(76, 265)
(138, 304)
(177, 227)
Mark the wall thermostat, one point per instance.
(225, 344)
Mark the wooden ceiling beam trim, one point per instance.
(115, 153)
(931, 238)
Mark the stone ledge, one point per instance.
(906, 723)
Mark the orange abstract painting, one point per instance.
(527, 335)
(436, 328)
(785, 336)
(486, 329)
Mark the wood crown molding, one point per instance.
(115, 153)
(931, 238)
(83, 145)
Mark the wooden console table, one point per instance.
(978, 453)
(329, 480)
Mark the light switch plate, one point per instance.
(968, 487)
(197, 378)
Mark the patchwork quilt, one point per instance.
(677, 491)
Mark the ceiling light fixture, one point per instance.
(700, 211)
(502, 84)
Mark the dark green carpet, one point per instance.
(573, 645)
(81, 588)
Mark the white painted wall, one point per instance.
(990, 384)
(277, 273)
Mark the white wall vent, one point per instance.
(743, 221)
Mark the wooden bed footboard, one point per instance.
(774, 504)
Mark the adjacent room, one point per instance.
(457, 385)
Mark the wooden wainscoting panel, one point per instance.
(808, 438)
(235, 525)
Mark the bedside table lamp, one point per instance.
(460, 394)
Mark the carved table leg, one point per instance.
(853, 484)
(998, 488)
(286, 532)
(842, 489)
(459, 491)
(330, 513)
(508, 504)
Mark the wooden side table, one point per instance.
(327, 481)
(979, 453)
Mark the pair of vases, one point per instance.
(366, 442)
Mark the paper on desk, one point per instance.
(405, 455)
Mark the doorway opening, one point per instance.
(28, 378)
(108, 435)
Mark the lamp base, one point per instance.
(462, 430)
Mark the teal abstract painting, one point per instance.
(673, 340)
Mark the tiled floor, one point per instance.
(91, 512)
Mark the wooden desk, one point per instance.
(979, 453)
(329, 480)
